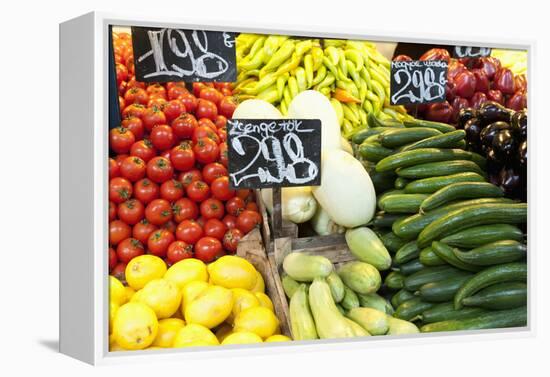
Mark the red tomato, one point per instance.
(162, 137)
(146, 191)
(112, 211)
(214, 228)
(133, 168)
(200, 221)
(231, 239)
(198, 191)
(142, 230)
(248, 220)
(166, 154)
(156, 89)
(157, 102)
(171, 190)
(121, 103)
(179, 250)
(118, 272)
(114, 169)
(136, 95)
(118, 231)
(184, 126)
(206, 109)
(229, 221)
(212, 171)
(189, 177)
(244, 193)
(207, 249)
(134, 110)
(174, 91)
(185, 209)
(252, 206)
(220, 189)
(159, 169)
(131, 211)
(205, 132)
(121, 73)
(211, 94)
(173, 109)
(189, 231)
(227, 107)
(135, 125)
(132, 83)
(189, 101)
(158, 211)
(197, 87)
(113, 260)
(208, 123)
(221, 85)
(128, 249)
(169, 226)
(212, 209)
(223, 154)
(222, 134)
(235, 206)
(206, 151)
(120, 190)
(119, 158)
(143, 149)
(121, 139)
(182, 157)
(159, 241)
(152, 117)
(221, 121)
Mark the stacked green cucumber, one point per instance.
(459, 254)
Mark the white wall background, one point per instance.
(29, 184)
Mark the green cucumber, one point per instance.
(433, 184)
(496, 274)
(382, 181)
(446, 253)
(401, 296)
(373, 151)
(504, 251)
(436, 169)
(428, 258)
(392, 242)
(362, 135)
(430, 274)
(491, 320)
(422, 156)
(443, 290)
(402, 136)
(400, 183)
(484, 234)
(385, 220)
(410, 227)
(499, 296)
(441, 127)
(406, 253)
(375, 301)
(447, 140)
(411, 267)
(469, 216)
(394, 280)
(411, 309)
(402, 203)
(461, 190)
(446, 312)
(350, 299)
(386, 194)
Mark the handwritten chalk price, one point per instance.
(274, 152)
(471, 52)
(416, 82)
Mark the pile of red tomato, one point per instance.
(169, 192)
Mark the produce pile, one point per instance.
(471, 82)
(352, 74)
(515, 60)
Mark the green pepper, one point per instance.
(279, 57)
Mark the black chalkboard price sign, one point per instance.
(269, 153)
(471, 52)
(162, 55)
(416, 82)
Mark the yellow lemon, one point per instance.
(115, 347)
(242, 338)
(144, 268)
(233, 272)
(277, 338)
(258, 320)
(117, 293)
(264, 300)
(113, 307)
(242, 299)
(260, 284)
(135, 326)
(168, 329)
(129, 293)
(191, 291)
(210, 308)
(187, 270)
(223, 331)
(194, 335)
(161, 295)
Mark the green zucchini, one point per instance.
(401, 296)
(290, 286)
(505, 251)
(336, 286)
(422, 156)
(484, 234)
(392, 242)
(400, 183)
(350, 299)
(495, 319)
(461, 190)
(385, 220)
(428, 258)
(469, 216)
(441, 127)
(402, 203)
(375, 301)
(394, 280)
(411, 267)
(447, 140)
(411, 309)
(499, 296)
(367, 247)
(402, 136)
(406, 253)
(441, 168)
(446, 253)
(446, 312)
(496, 274)
(433, 184)
(373, 151)
(431, 274)
(443, 290)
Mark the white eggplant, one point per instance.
(298, 204)
(323, 225)
(256, 109)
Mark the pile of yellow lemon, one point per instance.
(190, 304)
